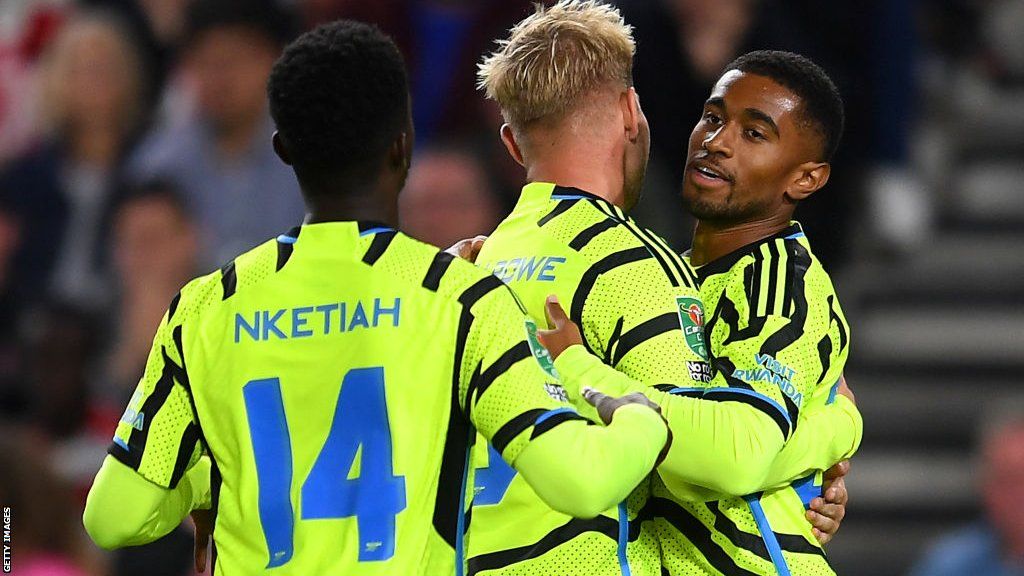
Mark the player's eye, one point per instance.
(712, 118)
(754, 134)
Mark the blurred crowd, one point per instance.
(135, 154)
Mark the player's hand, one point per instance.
(607, 405)
(563, 333)
(203, 522)
(845, 390)
(826, 514)
(467, 249)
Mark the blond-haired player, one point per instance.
(563, 80)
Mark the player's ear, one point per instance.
(810, 177)
(400, 153)
(509, 139)
(279, 148)
(629, 102)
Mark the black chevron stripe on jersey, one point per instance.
(450, 498)
(504, 363)
(174, 306)
(228, 280)
(642, 333)
(674, 274)
(562, 207)
(824, 356)
(560, 535)
(440, 264)
(754, 543)
(610, 262)
(699, 535)
(137, 440)
(554, 421)
(591, 232)
(478, 290)
(186, 448)
(380, 243)
(285, 249)
(843, 334)
(514, 427)
(613, 340)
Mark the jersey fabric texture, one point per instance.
(337, 377)
(624, 287)
(775, 330)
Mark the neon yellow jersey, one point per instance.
(628, 291)
(337, 377)
(777, 334)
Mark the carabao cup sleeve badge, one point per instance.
(691, 319)
(540, 353)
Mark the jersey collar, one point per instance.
(723, 264)
(546, 190)
(365, 228)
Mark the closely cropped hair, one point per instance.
(555, 56)
(339, 96)
(822, 103)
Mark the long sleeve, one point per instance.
(727, 447)
(575, 467)
(125, 509)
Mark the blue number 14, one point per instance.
(360, 427)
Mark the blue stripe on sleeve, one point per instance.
(551, 413)
(751, 393)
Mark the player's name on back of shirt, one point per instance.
(526, 268)
(318, 320)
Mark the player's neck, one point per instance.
(353, 208)
(712, 240)
(600, 179)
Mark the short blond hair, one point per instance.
(554, 57)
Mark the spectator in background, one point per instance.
(448, 197)
(158, 25)
(60, 366)
(46, 537)
(27, 28)
(91, 107)
(220, 157)
(155, 252)
(995, 546)
(13, 396)
(442, 41)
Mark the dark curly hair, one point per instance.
(339, 96)
(822, 103)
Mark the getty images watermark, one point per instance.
(7, 539)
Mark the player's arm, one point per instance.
(576, 468)
(154, 474)
(125, 509)
(728, 442)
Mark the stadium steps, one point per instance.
(937, 343)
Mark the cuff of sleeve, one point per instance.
(574, 363)
(857, 429)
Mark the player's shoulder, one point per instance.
(450, 278)
(776, 274)
(605, 238)
(240, 273)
